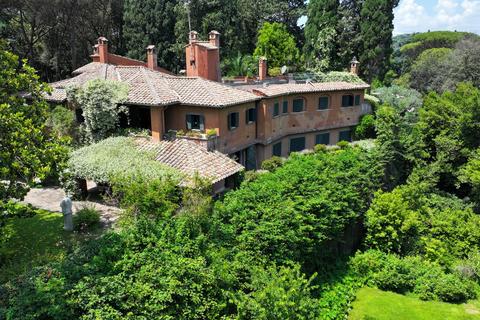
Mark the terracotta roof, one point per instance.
(154, 88)
(293, 88)
(190, 158)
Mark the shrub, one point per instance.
(100, 101)
(62, 122)
(412, 274)
(116, 158)
(274, 72)
(272, 164)
(211, 132)
(366, 128)
(343, 144)
(320, 148)
(86, 218)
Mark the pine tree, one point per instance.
(151, 22)
(320, 32)
(376, 26)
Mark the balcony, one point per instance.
(207, 139)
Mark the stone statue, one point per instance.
(66, 206)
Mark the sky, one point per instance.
(424, 15)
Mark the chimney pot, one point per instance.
(193, 36)
(151, 57)
(214, 38)
(354, 66)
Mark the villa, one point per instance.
(248, 122)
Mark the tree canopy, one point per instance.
(277, 45)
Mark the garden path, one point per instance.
(50, 198)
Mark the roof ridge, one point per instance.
(151, 87)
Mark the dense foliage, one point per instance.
(28, 152)
(277, 45)
(100, 102)
(184, 259)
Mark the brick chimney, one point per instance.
(151, 57)
(203, 57)
(354, 66)
(214, 38)
(102, 47)
(262, 68)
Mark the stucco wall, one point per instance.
(311, 119)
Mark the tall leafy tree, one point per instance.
(277, 45)
(27, 150)
(348, 39)
(376, 28)
(151, 22)
(320, 32)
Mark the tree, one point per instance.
(429, 70)
(27, 150)
(376, 26)
(277, 45)
(151, 22)
(321, 33)
(349, 40)
(100, 101)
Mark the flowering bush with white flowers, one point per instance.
(100, 101)
(117, 158)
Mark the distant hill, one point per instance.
(407, 47)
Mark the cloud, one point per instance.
(411, 16)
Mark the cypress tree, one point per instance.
(376, 26)
(320, 32)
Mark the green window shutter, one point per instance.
(276, 109)
(250, 115)
(322, 103)
(345, 100)
(285, 106)
(202, 123)
(322, 138)
(233, 120)
(297, 144)
(345, 136)
(298, 105)
(277, 149)
(357, 100)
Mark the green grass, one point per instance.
(375, 304)
(34, 242)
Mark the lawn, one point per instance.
(374, 304)
(35, 241)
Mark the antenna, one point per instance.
(187, 6)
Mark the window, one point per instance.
(285, 106)
(345, 136)
(298, 105)
(232, 120)
(322, 138)
(322, 103)
(195, 122)
(276, 109)
(347, 100)
(251, 115)
(277, 149)
(297, 144)
(357, 100)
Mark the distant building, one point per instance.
(250, 122)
